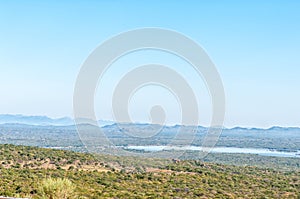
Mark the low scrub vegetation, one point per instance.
(128, 177)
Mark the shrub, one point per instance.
(56, 189)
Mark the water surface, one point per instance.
(258, 151)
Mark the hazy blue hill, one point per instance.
(35, 120)
(42, 120)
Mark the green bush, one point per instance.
(56, 189)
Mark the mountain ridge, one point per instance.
(42, 120)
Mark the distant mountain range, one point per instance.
(67, 121)
(42, 120)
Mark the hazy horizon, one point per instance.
(72, 118)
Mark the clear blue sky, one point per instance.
(254, 44)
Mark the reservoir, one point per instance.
(257, 151)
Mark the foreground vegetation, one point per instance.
(35, 172)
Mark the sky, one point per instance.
(255, 46)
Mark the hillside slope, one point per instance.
(23, 168)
